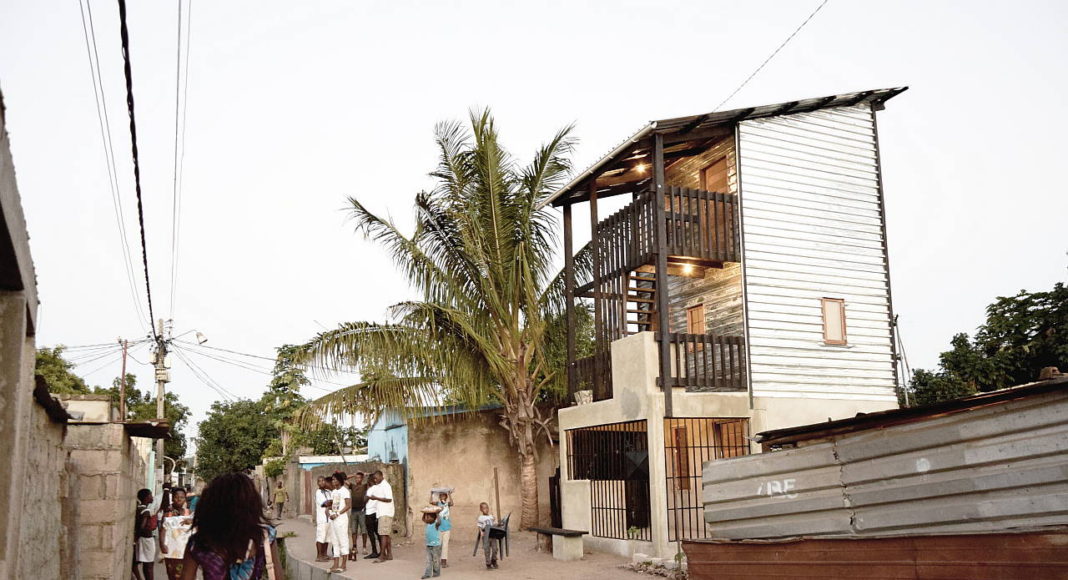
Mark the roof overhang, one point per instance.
(705, 126)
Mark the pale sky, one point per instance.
(292, 107)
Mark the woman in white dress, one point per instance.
(339, 522)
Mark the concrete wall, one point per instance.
(994, 468)
(48, 528)
(110, 470)
(460, 451)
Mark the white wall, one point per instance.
(812, 228)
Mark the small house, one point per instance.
(741, 285)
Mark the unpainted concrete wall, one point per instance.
(110, 471)
(460, 451)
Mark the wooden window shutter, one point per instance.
(834, 320)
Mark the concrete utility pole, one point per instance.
(122, 381)
(163, 376)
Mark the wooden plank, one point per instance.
(569, 297)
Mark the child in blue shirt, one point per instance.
(433, 544)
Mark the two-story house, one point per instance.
(745, 287)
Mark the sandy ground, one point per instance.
(524, 562)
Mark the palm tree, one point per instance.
(481, 258)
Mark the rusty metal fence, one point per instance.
(688, 444)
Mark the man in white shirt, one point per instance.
(382, 495)
(370, 511)
(322, 522)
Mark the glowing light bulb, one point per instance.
(640, 168)
(687, 268)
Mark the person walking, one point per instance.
(382, 493)
(322, 521)
(486, 521)
(341, 503)
(233, 540)
(281, 496)
(358, 519)
(433, 543)
(175, 528)
(144, 542)
(445, 519)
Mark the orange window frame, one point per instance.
(828, 337)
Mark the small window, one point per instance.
(695, 319)
(834, 321)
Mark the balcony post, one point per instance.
(661, 272)
(599, 333)
(569, 298)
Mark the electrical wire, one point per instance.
(181, 82)
(767, 60)
(257, 356)
(100, 100)
(204, 377)
(127, 69)
(249, 366)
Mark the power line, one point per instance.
(203, 376)
(249, 367)
(315, 367)
(181, 83)
(125, 34)
(767, 60)
(100, 100)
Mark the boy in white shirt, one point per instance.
(489, 545)
(322, 522)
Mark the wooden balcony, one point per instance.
(706, 362)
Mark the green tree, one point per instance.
(282, 402)
(141, 406)
(58, 372)
(1022, 334)
(329, 439)
(233, 437)
(480, 257)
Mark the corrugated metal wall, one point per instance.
(995, 468)
(812, 228)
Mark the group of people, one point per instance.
(348, 511)
(222, 533)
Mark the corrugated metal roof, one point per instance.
(898, 416)
(695, 123)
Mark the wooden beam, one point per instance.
(661, 271)
(569, 296)
(717, 131)
(595, 247)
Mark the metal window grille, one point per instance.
(615, 458)
(688, 444)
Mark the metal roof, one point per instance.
(682, 126)
(883, 419)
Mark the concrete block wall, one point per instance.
(109, 471)
(49, 511)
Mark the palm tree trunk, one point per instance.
(528, 482)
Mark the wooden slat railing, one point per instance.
(593, 373)
(701, 224)
(706, 362)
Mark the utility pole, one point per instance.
(122, 381)
(163, 376)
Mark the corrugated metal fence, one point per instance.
(999, 467)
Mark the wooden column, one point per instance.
(598, 303)
(661, 272)
(569, 297)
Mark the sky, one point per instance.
(292, 107)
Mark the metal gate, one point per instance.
(615, 458)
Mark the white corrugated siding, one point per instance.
(987, 469)
(811, 228)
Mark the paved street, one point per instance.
(524, 562)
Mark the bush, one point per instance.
(274, 468)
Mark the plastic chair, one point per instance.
(501, 537)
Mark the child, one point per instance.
(445, 517)
(433, 543)
(489, 545)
